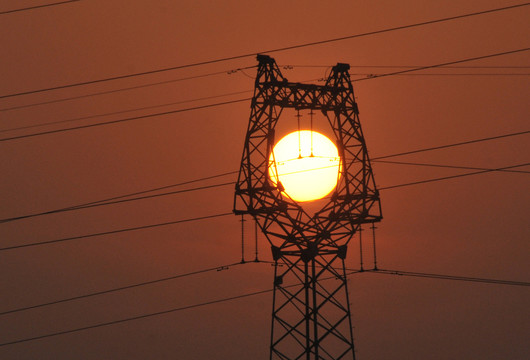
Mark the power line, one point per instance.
(260, 292)
(230, 213)
(446, 74)
(369, 76)
(125, 111)
(447, 166)
(124, 120)
(234, 93)
(127, 287)
(229, 72)
(143, 227)
(154, 314)
(290, 66)
(441, 65)
(452, 145)
(123, 198)
(227, 94)
(292, 47)
(451, 177)
(38, 7)
(449, 277)
(138, 317)
(241, 100)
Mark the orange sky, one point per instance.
(470, 226)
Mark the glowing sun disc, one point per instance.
(307, 164)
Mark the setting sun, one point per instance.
(307, 164)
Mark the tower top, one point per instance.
(341, 67)
(264, 59)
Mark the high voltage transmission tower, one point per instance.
(312, 319)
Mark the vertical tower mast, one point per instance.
(311, 316)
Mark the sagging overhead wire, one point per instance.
(452, 176)
(229, 72)
(117, 231)
(232, 93)
(188, 307)
(126, 287)
(467, 142)
(260, 292)
(200, 99)
(247, 99)
(447, 166)
(291, 66)
(401, 72)
(37, 7)
(127, 197)
(156, 313)
(454, 74)
(124, 120)
(449, 277)
(230, 213)
(125, 111)
(292, 47)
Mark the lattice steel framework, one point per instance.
(311, 316)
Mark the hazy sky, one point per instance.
(469, 226)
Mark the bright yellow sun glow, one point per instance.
(307, 164)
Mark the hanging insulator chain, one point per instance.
(361, 246)
(256, 239)
(242, 239)
(375, 253)
(299, 141)
(311, 113)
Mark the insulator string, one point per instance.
(299, 141)
(311, 113)
(361, 246)
(375, 253)
(256, 238)
(242, 239)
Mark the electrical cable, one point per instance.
(109, 201)
(451, 177)
(452, 145)
(401, 72)
(292, 47)
(289, 67)
(124, 120)
(108, 291)
(191, 100)
(37, 7)
(155, 314)
(214, 96)
(149, 226)
(449, 277)
(260, 292)
(138, 317)
(460, 74)
(199, 99)
(125, 111)
(446, 167)
(123, 198)
(241, 100)
(229, 72)
(230, 213)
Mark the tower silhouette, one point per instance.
(311, 317)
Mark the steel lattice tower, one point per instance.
(311, 316)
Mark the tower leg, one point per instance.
(311, 317)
